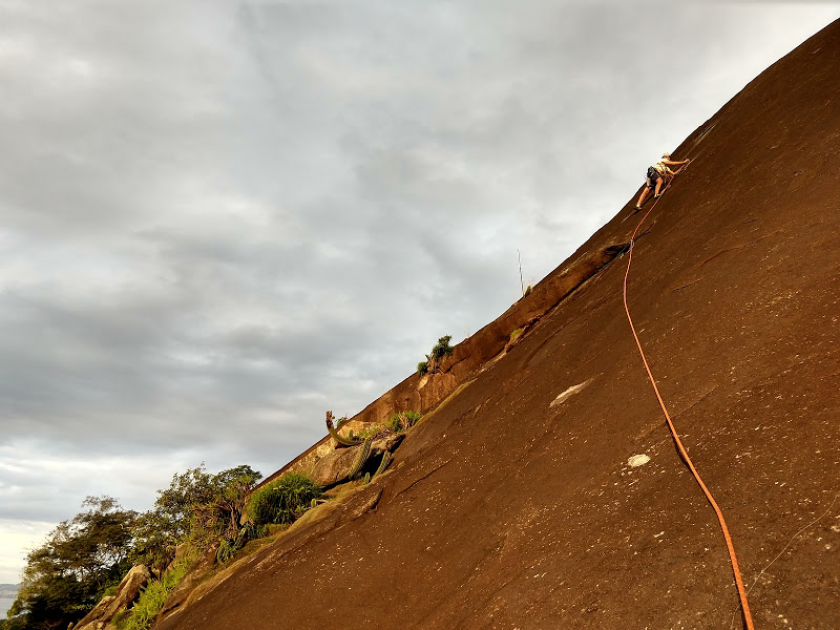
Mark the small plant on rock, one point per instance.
(372, 431)
(403, 420)
(442, 348)
(432, 362)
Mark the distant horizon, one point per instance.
(8, 594)
(5, 604)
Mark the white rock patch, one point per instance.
(638, 460)
(575, 389)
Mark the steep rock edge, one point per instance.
(507, 512)
(424, 394)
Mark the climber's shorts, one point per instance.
(653, 176)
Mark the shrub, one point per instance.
(404, 420)
(226, 551)
(281, 501)
(527, 291)
(442, 348)
(432, 362)
(515, 334)
(433, 359)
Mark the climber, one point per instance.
(658, 175)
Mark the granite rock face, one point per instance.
(504, 511)
(334, 467)
(127, 592)
(337, 465)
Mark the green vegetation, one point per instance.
(86, 557)
(152, 598)
(283, 500)
(432, 362)
(226, 551)
(82, 558)
(198, 509)
(403, 420)
(371, 431)
(442, 348)
(527, 291)
(516, 333)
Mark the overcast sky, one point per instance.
(219, 219)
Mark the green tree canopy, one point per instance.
(197, 507)
(66, 576)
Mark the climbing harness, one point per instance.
(742, 595)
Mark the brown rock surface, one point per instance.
(90, 619)
(502, 511)
(387, 443)
(127, 592)
(334, 467)
(199, 571)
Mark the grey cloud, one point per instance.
(221, 219)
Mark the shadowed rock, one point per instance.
(337, 466)
(127, 592)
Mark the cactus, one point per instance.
(361, 458)
(343, 441)
(386, 459)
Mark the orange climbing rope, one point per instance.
(742, 594)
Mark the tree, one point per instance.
(198, 508)
(67, 575)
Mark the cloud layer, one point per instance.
(219, 219)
